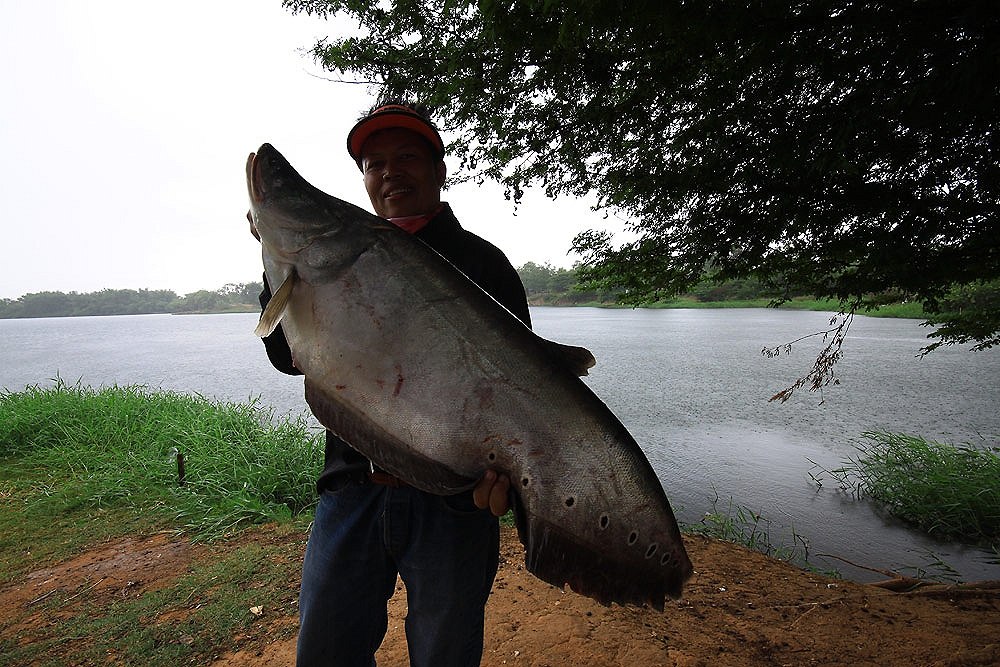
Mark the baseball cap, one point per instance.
(391, 116)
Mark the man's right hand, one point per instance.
(492, 492)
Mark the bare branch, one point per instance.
(822, 372)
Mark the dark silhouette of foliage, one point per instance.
(843, 147)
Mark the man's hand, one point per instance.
(492, 492)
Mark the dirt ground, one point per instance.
(740, 608)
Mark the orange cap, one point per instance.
(389, 116)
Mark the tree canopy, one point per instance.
(844, 147)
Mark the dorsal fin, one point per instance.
(275, 308)
(576, 359)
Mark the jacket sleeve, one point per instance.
(276, 346)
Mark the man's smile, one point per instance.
(396, 192)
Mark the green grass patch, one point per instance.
(739, 524)
(910, 310)
(949, 491)
(192, 619)
(79, 464)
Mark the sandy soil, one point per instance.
(740, 608)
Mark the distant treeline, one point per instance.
(545, 285)
(240, 297)
(548, 285)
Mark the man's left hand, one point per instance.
(492, 492)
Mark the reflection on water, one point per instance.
(691, 385)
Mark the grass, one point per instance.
(189, 621)
(740, 525)
(948, 491)
(79, 464)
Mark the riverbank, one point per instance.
(561, 300)
(909, 310)
(110, 538)
(146, 599)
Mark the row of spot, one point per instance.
(633, 537)
(604, 522)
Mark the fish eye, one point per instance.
(492, 456)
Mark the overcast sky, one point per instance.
(125, 128)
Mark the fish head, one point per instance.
(298, 224)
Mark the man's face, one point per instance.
(402, 176)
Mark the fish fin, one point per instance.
(517, 509)
(553, 555)
(576, 359)
(383, 448)
(276, 307)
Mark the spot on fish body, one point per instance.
(399, 381)
(484, 394)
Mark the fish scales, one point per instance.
(420, 370)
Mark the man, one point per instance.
(371, 526)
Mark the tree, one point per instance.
(200, 301)
(535, 278)
(242, 293)
(841, 147)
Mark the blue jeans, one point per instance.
(444, 549)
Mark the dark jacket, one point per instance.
(477, 258)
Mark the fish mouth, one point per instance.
(264, 171)
(255, 184)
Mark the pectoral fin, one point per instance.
(576, 359)
(276, 307)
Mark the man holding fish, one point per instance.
(370, 525)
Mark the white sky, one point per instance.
(124, 131)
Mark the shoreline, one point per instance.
(739, 609)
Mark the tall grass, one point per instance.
(77, 449)
(946, 490)
(739, 524)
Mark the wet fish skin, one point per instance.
(421, 371)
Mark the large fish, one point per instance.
(421, 371)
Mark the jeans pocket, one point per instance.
(461, 504)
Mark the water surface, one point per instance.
(691, 385)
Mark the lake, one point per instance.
(691, 386)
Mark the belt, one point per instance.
(383, 478)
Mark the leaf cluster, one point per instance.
(839, 147)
